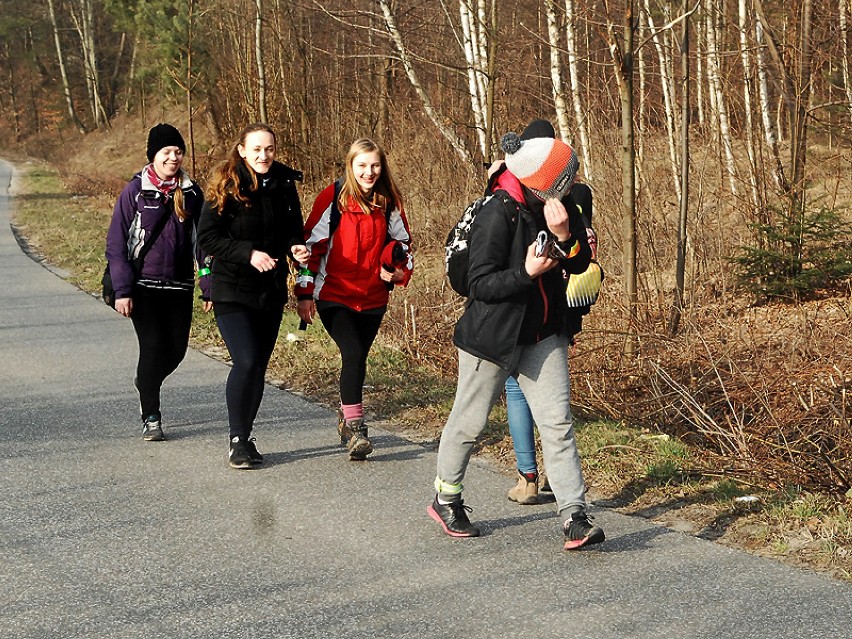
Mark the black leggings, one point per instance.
(353, 332)
(250, 336)
(161, 319)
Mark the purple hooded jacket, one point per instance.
(175, 252)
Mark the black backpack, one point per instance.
(457, 249)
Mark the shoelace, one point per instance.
(460, 508)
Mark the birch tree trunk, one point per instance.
(66, 87)
(747, 106)
(85, 25)
(844, 45)
(700, 56)
(131, 74)
(476, 40)
(455, 141)
(667, 85)
(796, 95)
(13, 94)
(641, 121)
(580, 118)
(261, 71)
(114, 76)
(718, 102)
(556, 72)
(767, 120)
(284, 62)
(683, 213)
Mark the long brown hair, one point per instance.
(385, 187)
(225, 182)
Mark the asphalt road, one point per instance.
(105, 536)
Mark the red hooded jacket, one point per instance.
(345, 267)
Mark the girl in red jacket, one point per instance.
(359, 244)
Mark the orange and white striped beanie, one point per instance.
(546, 166)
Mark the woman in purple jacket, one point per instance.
(160, 204)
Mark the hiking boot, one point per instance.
(358, 445)
(526, 491)
(453, 518)
(251, 449)
(545, 492)
(152, 429)
(342, 429)
(238, 454)
(580, 532)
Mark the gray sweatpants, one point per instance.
(542, 374)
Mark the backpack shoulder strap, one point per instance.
(155, 233)
(334, 216)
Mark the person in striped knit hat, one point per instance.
(516, 323)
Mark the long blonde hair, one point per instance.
(225, 182)
(180, 209)
(385, 190)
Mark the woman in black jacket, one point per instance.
(250, 223)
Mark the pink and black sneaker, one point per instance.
(580, 532)
(453, 518)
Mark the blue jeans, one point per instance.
(520, 426)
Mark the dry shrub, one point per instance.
(765, 388)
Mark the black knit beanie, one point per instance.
(163, 135)
(538, 129)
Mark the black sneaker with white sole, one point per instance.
(251, 448)
(152, 429)
(238, 454)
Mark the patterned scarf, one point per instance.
(166, 187)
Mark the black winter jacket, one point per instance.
(272, 224)
(506, 307)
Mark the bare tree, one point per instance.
(796, 92)
(84, 22)
(478, 22)
(576, 95)
(559, 102)
(66, 86)
(683, 213)
(745, 58)
(718, 102)
(261, 71)
(844, 47)
(667, 85)
(455, 141)
(769, 129)
(622, 56)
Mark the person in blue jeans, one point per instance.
(521, 423)
(516, 322)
